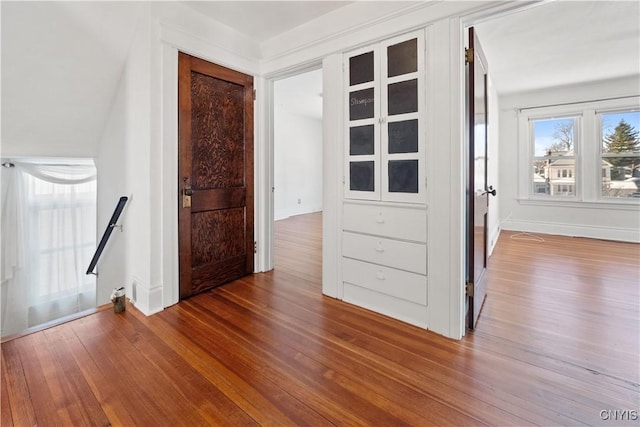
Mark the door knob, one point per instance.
(187, 192)
(490, 190)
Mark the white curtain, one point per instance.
(48, 238)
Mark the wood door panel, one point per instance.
(218, 199)
(217, 136)
(215, 126)
(227, 225)
(217, 273)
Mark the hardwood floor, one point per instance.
(556, 343)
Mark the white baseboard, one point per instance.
(147, 300)
(589, 231)
(494, 234)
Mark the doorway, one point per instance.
(298, 189)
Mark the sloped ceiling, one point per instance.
(61, 63)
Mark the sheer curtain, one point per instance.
(48, 238)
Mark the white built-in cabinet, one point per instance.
(385, 121)
(384, 233)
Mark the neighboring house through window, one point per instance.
(553, 144)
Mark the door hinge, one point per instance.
(255, 247)
(254, 94)
(468, 55)
(469, 289)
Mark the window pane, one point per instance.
(361, 104)
(361, 140)
(403, 136)
(403, 97)
(621, 177)
(361, 176)
(403, 176)
(402, 58)
(553, 137)
(620, 132)
(361, 68)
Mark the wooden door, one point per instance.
(477, 189)
(215, 164)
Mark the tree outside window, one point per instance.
(620, 154)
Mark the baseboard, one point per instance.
(55, 322)
(494, 234)
(573, 230)
(147, 300)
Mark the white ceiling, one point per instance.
(262, 20)
(561, 43)
(62, 61)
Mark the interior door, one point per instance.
(215, 164)
(477, 189)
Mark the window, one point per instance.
(63, 220)
(620, 154)
(49, 222)
(554, 157)
(581, 153)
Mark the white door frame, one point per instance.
(264, 163)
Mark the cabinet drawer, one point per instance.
(388, 221)
(400, 284)
(391, 253)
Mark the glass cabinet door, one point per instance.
(402, 128)
(385, 140)
(363, 129)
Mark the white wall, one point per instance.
(581, 219)
(297, 163)
(124, 170)
(111, 162)
(493, 166)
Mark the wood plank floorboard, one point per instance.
(557, 342)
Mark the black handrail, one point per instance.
(107, 233)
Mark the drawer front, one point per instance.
(406, 311)
(388, 252)
(389, 281)
(388, 221)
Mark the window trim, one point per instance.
(588, 153)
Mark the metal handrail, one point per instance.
(107, 233)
